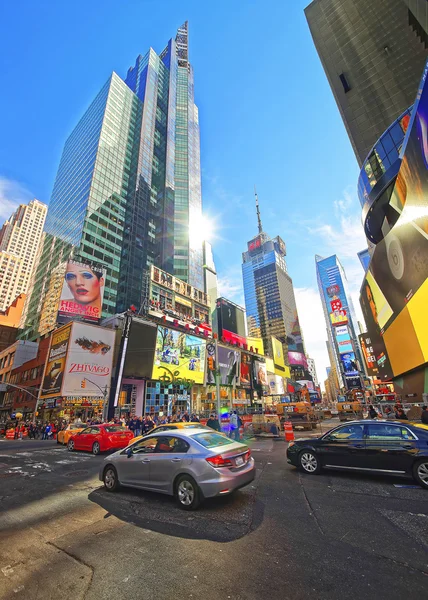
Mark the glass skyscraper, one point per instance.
(128, 189)
(270, 302)
(341, 321)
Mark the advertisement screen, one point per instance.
(276, 385)
(297, 358)
(260, 380)
(179, 353)
(349, 363)
(338, 314)
(82, 293)
(344, 343)
(89, 360)
(395, 295)
(278, 356)
(245, 370)
(368, 354)
(55, 366)
(231, 318)
(228, 363)
(342, 330)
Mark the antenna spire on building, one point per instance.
(259, 220)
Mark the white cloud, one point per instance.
(312, 322)
(12, 193)
(230, 286)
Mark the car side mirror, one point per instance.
(129, 452)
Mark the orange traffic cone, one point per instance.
(288, 430)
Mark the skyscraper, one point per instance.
(269, 298)
(128, 189)
(20, 239)
(373, 53)
(341, 322)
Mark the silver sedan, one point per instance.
(190, 464)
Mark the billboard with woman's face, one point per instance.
(82, 293)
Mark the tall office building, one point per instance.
(269, 299)
(20, 239)
(373, 53)
(312, 370)
(128, 189)
(341, 322)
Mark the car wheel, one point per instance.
(420, 472)
(309, 462)
(95, 448)
(70, 445)
(187, 493)
(110, 479)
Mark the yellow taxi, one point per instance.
(172, 426)
(65, 434)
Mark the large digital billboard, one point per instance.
(343, 339)
(259, 375)
(368, 353)
(55, 366)
(82, 293)
(89, 361)
(179, 354)
(278, 358)
(245, 370)
(394, 295)
(298, 359)
(338, 315)
(230, 320)
(349, 363)
(228, 364)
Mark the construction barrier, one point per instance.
(288, 430)
(10, 434)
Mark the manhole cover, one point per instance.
(76, 473)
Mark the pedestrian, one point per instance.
(137, 427)
(401, 415)
(372, 412)
(424, 415)
(213, 423)
(186, 417)
(234, 427)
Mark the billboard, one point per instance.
(259, 376)
(344, 343)
(230, 318)
(338, 314)
(297, 358)
(89, 361)
(178, 355)
(228, 364)
(54, 371)
(368, 354)
(82, 293)
(349, 363)
(394, 294)
(276, 385)
(245, 370)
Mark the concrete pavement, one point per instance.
(287, 536)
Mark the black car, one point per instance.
(390, 447)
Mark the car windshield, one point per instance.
(211, 440)
(114, 428)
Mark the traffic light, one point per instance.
(83, 384)
(211, 363)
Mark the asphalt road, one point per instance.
(288, 535)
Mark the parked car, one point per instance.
(65, 434)
(390, 447)
(172, 426)
(190, 464)
(100, 438)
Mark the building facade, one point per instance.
(20, 239)
(270, 302)
(341, 322)
(373, 53)
(312, 370)
(128, 189)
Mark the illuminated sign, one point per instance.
(368, 353)
(82, 293)
(180, 353)
(254, 244)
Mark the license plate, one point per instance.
(239, 461)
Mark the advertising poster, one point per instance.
(260, 380)
(276, 385)
(82, 293)
(338, 314)
(89, 360)
(368, 354)
(343, 339)
(179, 353)
(350, 367)
(228, 363)
(297, 358)
(245, 370)
(55, 366)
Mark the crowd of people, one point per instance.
(395, 412)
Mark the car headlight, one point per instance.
(290, 444)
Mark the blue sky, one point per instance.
(267, 117)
